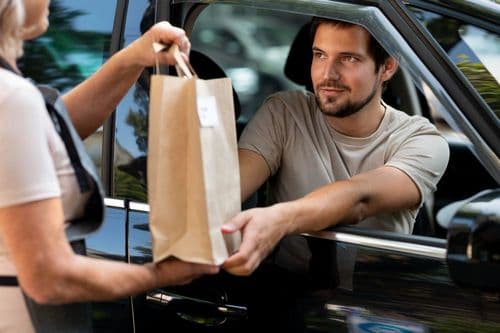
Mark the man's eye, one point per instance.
(349, 59)
(318, 55)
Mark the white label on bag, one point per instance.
(207, 111)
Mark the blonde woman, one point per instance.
(41, 194)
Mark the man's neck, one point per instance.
(362, 123)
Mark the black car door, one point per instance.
(109, 243)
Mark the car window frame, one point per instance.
(108, 138)
(485, 15)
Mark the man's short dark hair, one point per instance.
(378, 53)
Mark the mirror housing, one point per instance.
(473, 253)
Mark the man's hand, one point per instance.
(176, 272)
(141, 53)
(262, 229)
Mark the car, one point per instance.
(445, 277)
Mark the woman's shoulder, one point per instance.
(18, 90)
(10, 81)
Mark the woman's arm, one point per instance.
(50, 273)
(90, 103)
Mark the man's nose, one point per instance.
(331, 70)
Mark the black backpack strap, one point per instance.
(83, 166)
(62, 128)
(8, 281)
(4, 64)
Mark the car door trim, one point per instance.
(383, 244)
(433, 251)
(138, 206)
(484, 15)
(114, 203)
(108, 128)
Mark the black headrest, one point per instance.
(298, 63)
(207, 69)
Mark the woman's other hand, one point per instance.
(176, 272)
(141, 53)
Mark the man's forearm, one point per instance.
(336, 203)
(378, 191)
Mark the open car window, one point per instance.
(257, 69)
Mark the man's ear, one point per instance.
(388, 69)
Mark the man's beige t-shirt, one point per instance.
(304, 153)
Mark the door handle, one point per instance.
(185, 304)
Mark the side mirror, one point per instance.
(473, 253)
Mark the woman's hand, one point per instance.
(176, 272)
(90, 103)
(141, 53)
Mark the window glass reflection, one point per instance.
(475, 51)
(251, 46)
(129, 166)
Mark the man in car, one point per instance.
(338, 156)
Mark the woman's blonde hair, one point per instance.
(11, 25)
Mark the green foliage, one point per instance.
(51, 59)
(483, 81)
(138, 119)
(130, 187)
(454, 324)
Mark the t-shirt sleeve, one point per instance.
(265, 134)
(27, 172)
(423, 157)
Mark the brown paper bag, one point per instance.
(193, 171)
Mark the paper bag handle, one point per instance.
(182, 68)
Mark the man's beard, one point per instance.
(345, 109)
